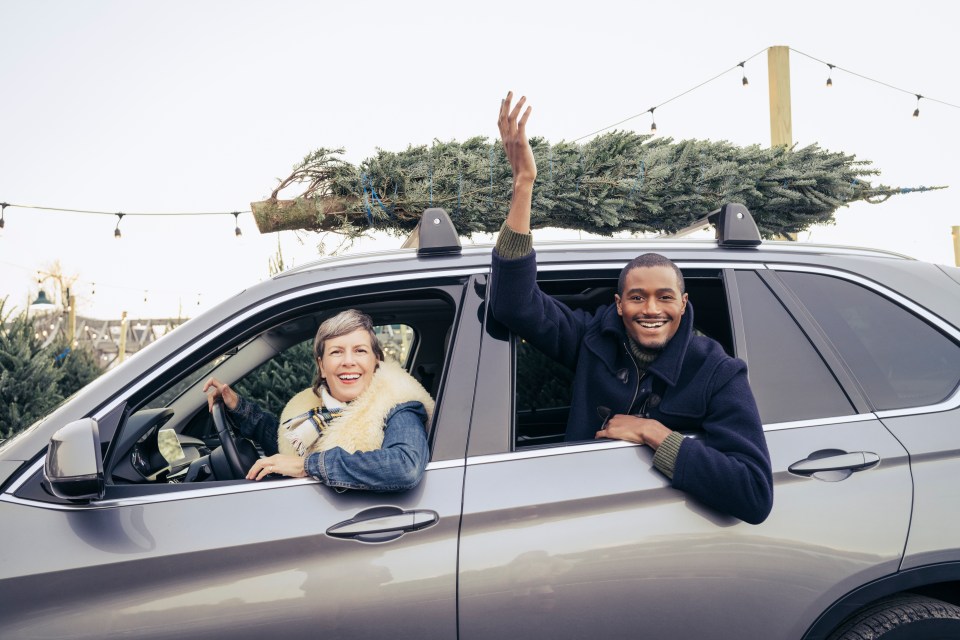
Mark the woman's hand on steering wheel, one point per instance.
(218, 389)
(291, 466)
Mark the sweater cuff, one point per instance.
(512, 245)
(665, 459)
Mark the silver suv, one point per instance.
(118, 519)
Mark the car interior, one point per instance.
(173, 439)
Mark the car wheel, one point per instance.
(903, 616)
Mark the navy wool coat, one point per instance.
(693, 386)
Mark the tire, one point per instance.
(903, 617)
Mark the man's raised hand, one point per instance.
(513, 133)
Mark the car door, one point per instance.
(240, 559)
(907, 360)
(587, 539)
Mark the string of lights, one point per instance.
(745, 82)
(831, 67)
(653, 129)
(121, 214)
(653, 124)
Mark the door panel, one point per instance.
(248, 560)
(233, 565)
(590, 541)
(933, 440)
(594, 542)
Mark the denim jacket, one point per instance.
(396, 466)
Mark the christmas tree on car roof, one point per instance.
(617, 182)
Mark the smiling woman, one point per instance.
(346, 359)
(361, 425)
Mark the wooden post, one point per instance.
(781, 116)
(778, 70)
(956, 245)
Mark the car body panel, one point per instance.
(933, 441)
(229, 564)
(546, 538)
(568, 541)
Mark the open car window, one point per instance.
(268, 366)
(543, 386)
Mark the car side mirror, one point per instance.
(74, 469)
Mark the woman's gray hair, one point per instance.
(340, 325)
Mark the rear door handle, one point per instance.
(382, 524)
(834, 464)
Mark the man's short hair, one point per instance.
(650, 260)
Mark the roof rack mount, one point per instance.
(434, 235)
(734, 225)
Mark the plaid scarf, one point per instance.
(305, 429)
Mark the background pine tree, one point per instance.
(78, 366)
(29, 376)
(280, 378)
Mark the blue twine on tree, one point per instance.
(376, 199)
(366, 199)
(370, 195)
(459, 189)
(63, 354)
(638, 180)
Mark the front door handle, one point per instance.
(382, 524)
(834, 464)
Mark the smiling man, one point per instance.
(640, 372)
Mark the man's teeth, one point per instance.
(653, 325)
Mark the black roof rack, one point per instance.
(434, 235)
(735, 226)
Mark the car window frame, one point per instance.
(941, 324)
(240, 328)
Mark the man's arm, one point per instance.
(513, 133)
(515, 298)
(729, 468)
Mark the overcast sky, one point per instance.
(192, 106)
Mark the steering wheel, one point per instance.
(228, 442)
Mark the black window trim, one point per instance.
(821, 343)
(263, 305)
(122, 397)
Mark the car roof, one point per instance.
(917, 281)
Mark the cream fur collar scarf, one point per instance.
(360, 425)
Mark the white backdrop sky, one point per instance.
(179, 105)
